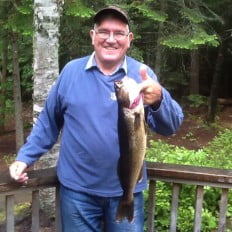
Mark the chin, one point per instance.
(112, 58)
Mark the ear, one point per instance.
(92, 35)
(130, 38)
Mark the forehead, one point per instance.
(112, 21)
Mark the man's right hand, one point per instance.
(17, 171)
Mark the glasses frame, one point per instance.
(104, 34)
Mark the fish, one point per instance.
(132, 134)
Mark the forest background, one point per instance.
(188, 43)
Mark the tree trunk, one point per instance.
(220, 58)
(45, 71)
(159, 50)
(3, 75)
(17, 94)
(194, 72)
(212, 108)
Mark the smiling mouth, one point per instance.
(110, 48)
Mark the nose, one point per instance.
(111, 37)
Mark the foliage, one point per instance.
(148, 12)
(167, 153)
(196, 100)
(217, 154)
(193, 15)
(20, 19)
(189, 30)
(16, 20)
(136, 53)
(219, 150)
(75, 25)
(8, 159)
(77, 9)
(23, 209)
(186, 25)
(184, 40)
(174, 81)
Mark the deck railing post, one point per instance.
(35, 211)
(174, 209)
(10, 213)
(58, 218)
(151, 206)
(198, 208)
(223, 209)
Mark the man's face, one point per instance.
(110, 50)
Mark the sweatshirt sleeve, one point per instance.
(46, 129)
(167, 118)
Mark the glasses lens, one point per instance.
(119, 36)
(103, 34)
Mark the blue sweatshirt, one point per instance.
(83, 107)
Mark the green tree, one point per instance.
(16, 23)
(75, 25)
(3, 64)
(224, 31)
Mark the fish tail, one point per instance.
(125, 210)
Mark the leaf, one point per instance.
(190, 40)
(193, 15)
(201, 38)
(20, 24)
(151, 13)
(77, 9)
(181, 41)
(25, 10)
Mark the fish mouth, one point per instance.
(130, 102)
(118, 84)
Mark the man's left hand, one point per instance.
(152, 91)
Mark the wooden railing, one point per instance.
(175, 174)
(38, 179)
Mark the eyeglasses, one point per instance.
(117, 35)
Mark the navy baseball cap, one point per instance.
(111, 10)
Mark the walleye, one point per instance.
(132, 141)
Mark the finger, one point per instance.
(23, 178)
(143, 72)
(146, 80)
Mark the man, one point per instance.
(82, 105)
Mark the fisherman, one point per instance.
(82, 105)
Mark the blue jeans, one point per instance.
(81, 212)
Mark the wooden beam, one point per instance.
(189, 173)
